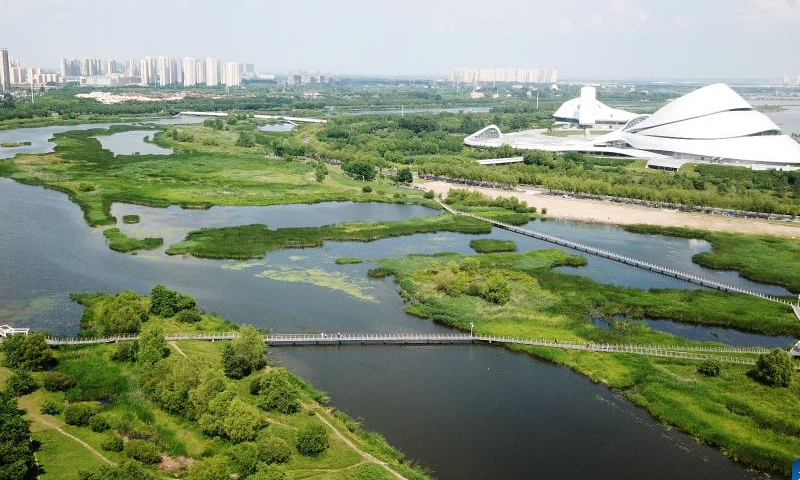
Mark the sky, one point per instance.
(581, 38)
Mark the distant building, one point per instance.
(5, 71)
(70, 67)
(233, 74)
(213, 73)
(148, 71)
(189, 67)
(168, 71)
(132, 68)
(586, 111)
(503, 75)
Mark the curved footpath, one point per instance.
(587, 210)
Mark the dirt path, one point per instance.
(361, 452)
(81, 442)
(177, 349)
(586, 210)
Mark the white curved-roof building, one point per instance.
(710, 125)
(587, 111)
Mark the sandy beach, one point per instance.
(585, 210)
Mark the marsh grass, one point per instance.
(492, 245)
(120, 242)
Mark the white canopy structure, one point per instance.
(710, 125)
(586, 111)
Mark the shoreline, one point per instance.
(600, 211)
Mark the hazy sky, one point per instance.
(581, 38)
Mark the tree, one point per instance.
(16, 460)
(241, 421)
(244, 354)
(775, 368)
(166, 303)
(126, 352)
(234, 365)
(212, 421)
(214, 468)
(278, 392)
(312, 440)
(189, 316)
(211, 384)
(129, 470)
(124, 313)
(268, 472)
(168, 384)
(497, 290)
(320, 171)
(273, 450)
(142, 451)
(29, 352)
(152, 345)
(404, 176)
(21, 383)
(244, 458)
(360, 169)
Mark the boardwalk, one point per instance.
(635, 262)
(740, 355)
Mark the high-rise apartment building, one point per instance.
(70, 67)
(213, 72)
(233, 74)
(5, 71)
(132, 68)
(503, 75)
(168, 72)
(148, 71)
(189, 67)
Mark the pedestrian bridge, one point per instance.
(727, 354)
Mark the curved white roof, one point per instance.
(587, 110)
(728, 124)
(703, 101)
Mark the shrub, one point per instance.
(78, 414)
(50, 407)
(21, 383)
(244, 458)
(130, 219)
(246, 140)
(244, 354)
(312, 440)
(113, 444)
(214, 468)
(273, 450)
(143, 451)
(710, 368)
(98, 424)
(166, 303)
(775, 368)
(278, 392)
(544, 210)
(366, 189)
(29, 352)
(152, 345)
(189, 316)
(123, 313)
(57, 382)
(126, 352)
(428, 194)
(404, 176)
(269, 472)
(497, 291)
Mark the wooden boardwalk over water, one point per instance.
(740, 355)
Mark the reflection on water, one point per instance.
(457, 409)
(277, 127)
(131, 142)
(40, 136)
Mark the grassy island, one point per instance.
(492, 245)
(762, 258)
(253, 241)
(520, 294)
(348, 260)
(150, 408)
(122, 243)
(130, 219)
(14, 144)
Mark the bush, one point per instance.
(130, 219)
(246, 140)
(710, 368)
(113, 444)
(244, 458)
(29, 352)
(98, 424)
(126, 352)
(273, 450)
(166, 303)
(366, 189)
(189, 316)
(278, 392)
(497, 291)
(244, 354)
(85, 187)
(775, 368)
(79, 414)
(21, 383)
(312, 440)
(429, 194)
(50, 407)
(57, 382)
(143, 451)
(123, 313)
(152, 346)
(269, 472)
(404, 176)
(544, 210)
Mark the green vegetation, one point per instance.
(130, 219)
(14, 144)
(179, 413)
(27, 352)
(253, 241)
(120, 242)
(492, 245)
(348, 260)
(762, 258)
(776, 368)
(751, 422)
(505, 209)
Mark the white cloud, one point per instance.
(770, 13)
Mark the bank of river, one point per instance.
(457, 410)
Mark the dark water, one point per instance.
(472, 412)
(702, 333)
(40, 136)
(130, 142)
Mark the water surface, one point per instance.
(132, 142)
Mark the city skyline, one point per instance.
(649, 39)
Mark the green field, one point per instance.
(752, 423)
(762, 258)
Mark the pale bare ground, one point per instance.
(585, 210)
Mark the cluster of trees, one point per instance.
(471, 198)
(276, 391)
(166, 303)
(468, 279)
(244, 354)
(16, 455)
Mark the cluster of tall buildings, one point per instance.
(160, 71)
(306, 78)
(790, 81)
(13, 73)
(503, 75)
